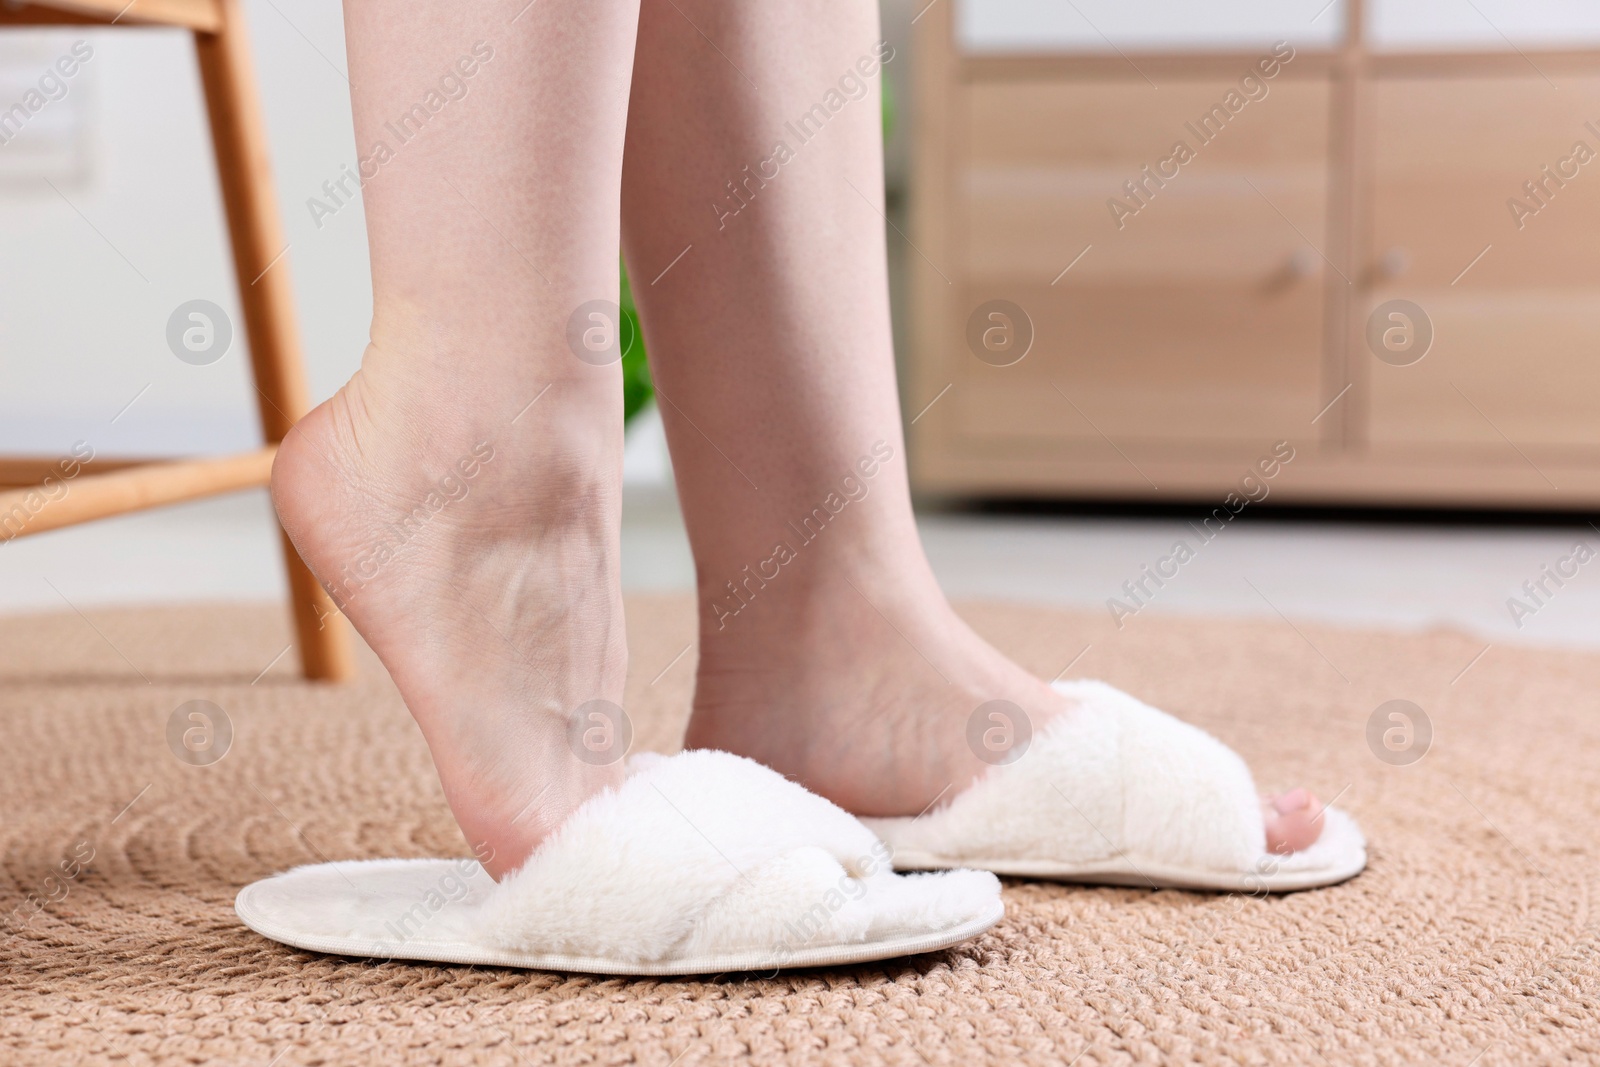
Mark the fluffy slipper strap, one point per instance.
(1118, 792)
(700, 861)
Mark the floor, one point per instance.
(1389, 574)
(1469, 941)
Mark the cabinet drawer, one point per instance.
(1046, 162)
(1196, 313)
(1150, 362)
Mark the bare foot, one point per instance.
(478, 556)
(874, 716)
(1293, 820)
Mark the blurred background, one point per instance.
(1374, 254)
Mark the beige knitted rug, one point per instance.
(1468, 941)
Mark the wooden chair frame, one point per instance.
(240, 145)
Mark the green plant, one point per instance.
(636, 387)
(886, 103)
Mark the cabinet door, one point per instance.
(1502, 256)
(1191, 315)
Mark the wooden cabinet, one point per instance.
(1183, 315)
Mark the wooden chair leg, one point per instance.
(239, 140)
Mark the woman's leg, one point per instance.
(827, 650)
(460, 496)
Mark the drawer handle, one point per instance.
(1394, 263)
(1302, 263)
(1298, 266)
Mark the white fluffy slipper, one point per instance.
(1115, 792)
(699, 863)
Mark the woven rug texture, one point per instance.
(1468, 941)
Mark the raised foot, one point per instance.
(482, 569)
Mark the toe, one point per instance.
(1293, 820)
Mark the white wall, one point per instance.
(1104, 25)
(84, 298)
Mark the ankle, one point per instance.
(814, 609)
(480, 369)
